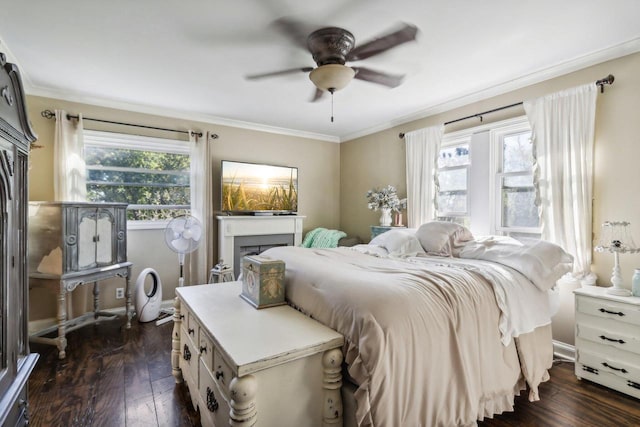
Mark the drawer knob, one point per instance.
(603, 337)
(203, 349)
(617, 313)
(212, 403)
(191, 331)
(606, 365)
(219, 374)
(186, 354)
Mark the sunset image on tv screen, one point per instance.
(248, 187)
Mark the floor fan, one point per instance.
(182, 235)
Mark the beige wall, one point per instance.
(318, 165)
(379, 159)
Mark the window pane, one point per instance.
(453, 202)
(518, 181)
(518, 202)
(453, 180)
(453, 156)
(139, 177)
(452, 197)
(517, 153)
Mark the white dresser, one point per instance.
(608, 339)
(244, 367)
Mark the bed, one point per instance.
(440, 329)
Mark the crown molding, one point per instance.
(603, 55)
(191, 116)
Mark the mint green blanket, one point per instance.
(322, 238)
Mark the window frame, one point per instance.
(497, 134)
(96, 138)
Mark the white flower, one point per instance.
(386, 197)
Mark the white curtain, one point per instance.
(201, 204)
(422, 148)
(562, 126)
(69, 170)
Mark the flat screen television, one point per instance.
(252, 188)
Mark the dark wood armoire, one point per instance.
(16, 135)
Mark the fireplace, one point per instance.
(255, 245)
(248, 235)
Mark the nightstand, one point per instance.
(243, 366)
(379, 229)
(608, 339)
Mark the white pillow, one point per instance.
(400, 242)
(542, 262)
(443, 238)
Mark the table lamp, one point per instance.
(616, 238)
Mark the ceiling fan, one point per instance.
(332, 47)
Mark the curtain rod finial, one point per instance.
(401, 135)
(47, 114)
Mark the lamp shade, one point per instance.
(616, 238)
(331, 76)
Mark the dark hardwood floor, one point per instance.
(115, 377)
(110, 377)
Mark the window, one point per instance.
(515, 210)
(150, 174)
(453, 181)
(486, 179)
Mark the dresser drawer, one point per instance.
(615, 364)
(190, 325)
(188, 360)
(222, 372)
(214, 406)
(608, 380)
(626, 313)
(622, 340)
(206, 349)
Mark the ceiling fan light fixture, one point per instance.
(331, 76)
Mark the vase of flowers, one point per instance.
(385, 217)
(386, 201)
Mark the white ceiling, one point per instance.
(189, 58)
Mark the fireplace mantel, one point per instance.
(230, 227)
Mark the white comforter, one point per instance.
(427, 340)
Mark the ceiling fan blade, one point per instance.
(317, 95)
(278, 73)
(367, 74)
(378, 45)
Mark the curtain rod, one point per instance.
(51, 115)
(604, 81)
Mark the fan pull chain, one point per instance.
(331, 90)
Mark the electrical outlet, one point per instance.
(119, 293)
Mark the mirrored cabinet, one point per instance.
(73, 244)
(72, 237)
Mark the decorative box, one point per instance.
(262, 281)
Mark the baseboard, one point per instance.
(41, 324)
(564, 351)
